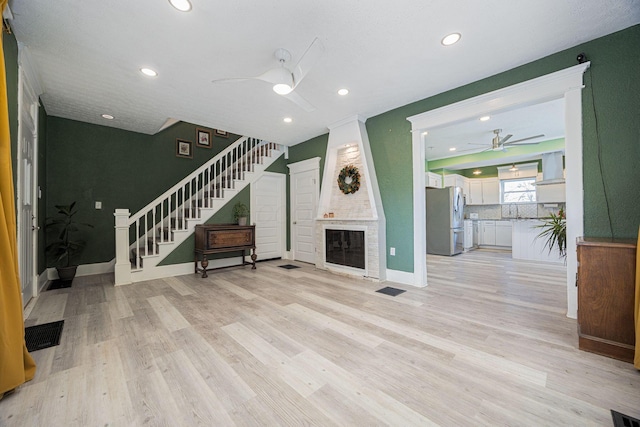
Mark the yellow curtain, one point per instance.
(636, 313)
(16, 365)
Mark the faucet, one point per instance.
(517, 210)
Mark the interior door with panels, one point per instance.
(268, 214)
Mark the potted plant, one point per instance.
(554, 230)
(66, 247)
(240, 213)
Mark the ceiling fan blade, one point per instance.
(276, 75)
(300, 101)
(232, 80)
(308, 60)
(526, 139)
(505, 139)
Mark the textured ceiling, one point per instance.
(388, 54)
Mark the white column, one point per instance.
(574, 190)
(419, 210)
(123, 264)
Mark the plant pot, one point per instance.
(67, 273)
(242, 220)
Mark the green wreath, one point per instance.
(349, 173)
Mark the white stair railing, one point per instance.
(156, 222)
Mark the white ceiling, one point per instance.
(474, 136)
(388, 54)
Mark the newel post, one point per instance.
(123, 264)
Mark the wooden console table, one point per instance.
(606, 292)
(220, 238)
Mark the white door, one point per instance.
(304, 200)
(26, 188)
(268, 208)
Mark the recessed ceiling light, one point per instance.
(107, 116)
(148, 72)
(484, 118)
(425, 133)
(343, 92)
(451, 39)
(181, 5)
(287, 120)
(452, 149)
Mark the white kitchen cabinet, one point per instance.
(484, 191)
(503, 233)
(551, 193)
(433, 180)
(487, 233)
(455, 180)
(490, 191)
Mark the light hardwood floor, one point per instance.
(486, 343)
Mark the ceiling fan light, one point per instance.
(282, 88)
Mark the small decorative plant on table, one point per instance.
(240, 213)
(65, 248)
(554, 230)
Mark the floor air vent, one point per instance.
(622, 420)
(43, 336)
(391, 291)
(288, 266)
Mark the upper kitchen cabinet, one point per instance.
(550, 193)
(484, 191)
(433, 180)
(456, 180)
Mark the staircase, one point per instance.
(145, 238)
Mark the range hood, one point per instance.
(552, 169)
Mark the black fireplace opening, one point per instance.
(345, 247)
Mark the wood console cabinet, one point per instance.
(220, 238)
(606, 293)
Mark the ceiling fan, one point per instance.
(284, 79)
(500, 143)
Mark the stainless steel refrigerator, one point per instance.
(445, 221)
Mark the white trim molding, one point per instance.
(565, 84)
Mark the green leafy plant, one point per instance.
(554, 231)
(240, 210)
(66, 247)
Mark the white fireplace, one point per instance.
(358, 212)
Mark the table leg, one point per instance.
(253, 259)
(205, 264)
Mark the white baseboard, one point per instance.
(287, 255)
(401, 277)
(43, 280)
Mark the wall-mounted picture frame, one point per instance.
(184, 148)
(203, 138)
(221, 133)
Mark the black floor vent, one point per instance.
(622, 420)
(59, 284)
(288, 266)
(43, 336)
(391, 291)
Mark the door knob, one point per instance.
(295, 222)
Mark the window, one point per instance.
(518, 190)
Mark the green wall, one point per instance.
(42, 184)
(88, 163)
